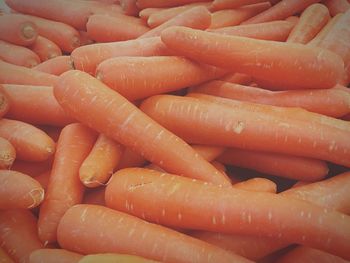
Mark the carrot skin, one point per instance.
(160, 3)
(337, 6)
(113, 257)
(18, 55)
(45, 48)
(32, 168)
(54, 256)
(257, 184)
(5, 258)
(55, 66)
(7, 154)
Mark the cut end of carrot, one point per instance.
(6, 160)
(29, 32)
(37, 196)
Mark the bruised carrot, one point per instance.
(209, 153)
(95, 196)
(337, 6)
(140, 78)
(4, 102)
(135, 236)
(55, 66)
(18, 55)
(130, 158)
(45, 48)
(5, 257)
(7, 154)
(231, 4)
(160, 3)
(17, 30)
(129, 7)
(32, 169)
(144, 14)
(18, 234)
(64, 189)
(54, 256)
(229, 210)
(257, 184)
(111, 258)
(237, 78)
(19, 190)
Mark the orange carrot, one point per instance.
(32, 169)
(95, 196)
(19, 190)
(64, 189)
(17, 30)
(229, 210)
(233, 17)
(257, 184)
(101, 161)
(18, 234)
(311, 21)
(245, 55)
(43, 179)
(337, 6)
(4, 258)
(18, 55)
(7, 154)
(54, 256)
(35, 105)
(45, 48)
(160, 3)
(147, 12)
(55, 66)
(292, 19)
(231, 4)
(85, 39)
(4, 102)
(129, 7)
(31, 143)
(111, 258)
(130, 158)
(237, 78)
(209, 153)
(120, 120)
(141, 77)
(135, 237)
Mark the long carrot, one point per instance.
(160, 3)
(337, 6)
(111, 258)
(35, 105)
(257, 184)
(45, 48)
(176, 202)
(7, 154)
(64, 189)
(141, 77)
(135, 237)
(32, 169)
(18, 55)
(129, 7)
(259, 58)
(19, 190)
(54, 256)
(5, 258)
(4, 102)
(18, 234)
(231, 4)
(55, 66)
(120, 120)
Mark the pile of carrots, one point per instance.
(175, 131)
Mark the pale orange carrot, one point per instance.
(95, 196)
(32, 168)
(257, 184)
(231, 4)
(209, 153)
(160, 3)
(129, 7)
(130, 158)
(7, 154)
(18, 55)
(45, 48)
(54, 256)
(337, 6)
(55, 66)
(4, 257)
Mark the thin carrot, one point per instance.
(141, 77)
(35, 105)
(101, 161)
(4, 102)
(231, 4)
(130, 158)
(120, 120)
(176, 202)
(160, 3)
(64, 189)
(233, 17)
(237, 78)
(17, 30)
(4, 257)
(55, 66)
(18, 234)
(147, 12)
(129, 7)
(257, 184)
(135, 237)
(95, 196)
(209, 153)
(54, 256)
(7, 154)
(32, 169)
(18, 55)
(259, 58)
(337, 6)
(311, 21)
(45, 48)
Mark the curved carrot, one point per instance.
(231, 4)
(129, 7)
(209, 153)
(95, 196)
(55, 66)
(244, 55)
(77, 92)
(160, 3)
(7, 154)
(111, 258)
(19, 190)
(4, 102)
(64, 189)
(4, 257)
(18, 55)
(32, 169)
(45, 48)
(257, 184)
(36, 105)
(337, 6)
(141, 77)
(135, 236)
(176, 201)
(54, 256)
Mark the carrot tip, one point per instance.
(37, 195)
(29, 32)
(6, 160)
(50, 150)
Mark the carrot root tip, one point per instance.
(37, 195)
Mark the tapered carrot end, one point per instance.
(37, 196)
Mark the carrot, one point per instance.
(209, 153)
(18, 55)
(257, 184)
(45, 48)
(55, 66)
(32, 169)
(7, 154)
(252, 126)
(35, 105)
(144, 14)
(130, 158)
(292, 19)
(311, 21)
(135, 237)
(229, 210)
(87, 58)
(54, 256)
(64, 189)
(337, 6)
(120, 120)
(95, 196)
(275, 30)
(237, 78)
(233, 17)
(197, 17)
(17, 30)
(19, 190)
(111, 258)
(281, 10)
(129, 7)
(4, 102)
(101, 161)
(43, 179)
(160, 3)
(141, 77)
(330, 102)
(4, 258)
(9, 74)
(18, 234)
(85, 39)
(231, 4)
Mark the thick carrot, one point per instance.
(95, 196)
(32, 168)
(4, 257)
(54, 256)
(45, 48)
(330, 102)
(101, 161)
(104, 28)
(257, 184)
(209, 153)
(130, 158)
(231, 4)
(7, 154)
(18, 55)
(281, 10)
(88, 57)
(337, 6)
(31, 143)
(177, 201)
(311, 21)
(197, 17)
(252, 126)
(64, 189)
(237, 78)
(135, 237)
(35, 105)
(120, 120)
(147, 12)
(141, 77)
(17, 30)
(18, 234)
(160, 3)
(9, 74)
(259, 58)
(129, 7)
(233, 17)
(55, 66)
(19, 190)
(4, 102)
